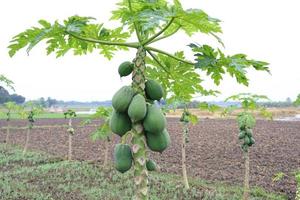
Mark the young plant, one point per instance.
(246, 122)
(103, 132)
(70, 114)
(29, 112)
(11, 107)
(150, 21)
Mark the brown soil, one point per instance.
(213, 152)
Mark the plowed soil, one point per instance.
(213, 152)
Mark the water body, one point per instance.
(292, 118)
(90, 112)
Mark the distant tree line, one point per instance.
(6, 97)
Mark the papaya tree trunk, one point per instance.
(7, 133)
(27, 141)
(247, 174)
(183, 159)
(106, 154)
(70, 140)
(138, 138)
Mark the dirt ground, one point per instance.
(213, 151)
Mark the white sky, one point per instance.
(263, 29)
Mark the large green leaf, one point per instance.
(59, 38)
(151, 15)
(216, 64)
(179, 80)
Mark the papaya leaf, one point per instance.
(8, 83)
(246, 119)
(209, 107)
(179, 80)
(193, 119)
(60, 38)
(216, 64)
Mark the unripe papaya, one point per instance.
(120, 123)
(158, 142)
(137, 109)
(154, 90)
(155, 121)
(242, 135)
(249, 132)
(151, 165)
(125, 68)
(247, 140)
(122, 157)
(252, 141)
(122, 98)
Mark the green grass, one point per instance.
(42, 177)
(43, 116)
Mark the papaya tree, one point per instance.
(103, 132)
(10, 107)
(70, 114)
(29, 111)
(135, 112)
(249, 103)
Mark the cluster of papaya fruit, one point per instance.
(131, 107)
(247, 136)
(246, 123)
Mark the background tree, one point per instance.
(10, 107)
(70, 114)
(297, 101)
(246, 122)
(29, 111)
(151, 21)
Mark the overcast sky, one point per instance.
(265, 30)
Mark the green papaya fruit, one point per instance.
(249, 132)
(151, 165)
(122, 98)
(155, 121)
(247, 140)
(122, 157)
(154, 90)
(252, 141)
(137, 109)
(120, 123)
(158, 142)
(242, 135)
(125, 68)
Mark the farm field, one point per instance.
(41, 176)
(213, 154)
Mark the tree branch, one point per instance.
(165, 36)
(170, 55)
(135, 24)
(159, 33)
(158, 62)
(103, 42)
